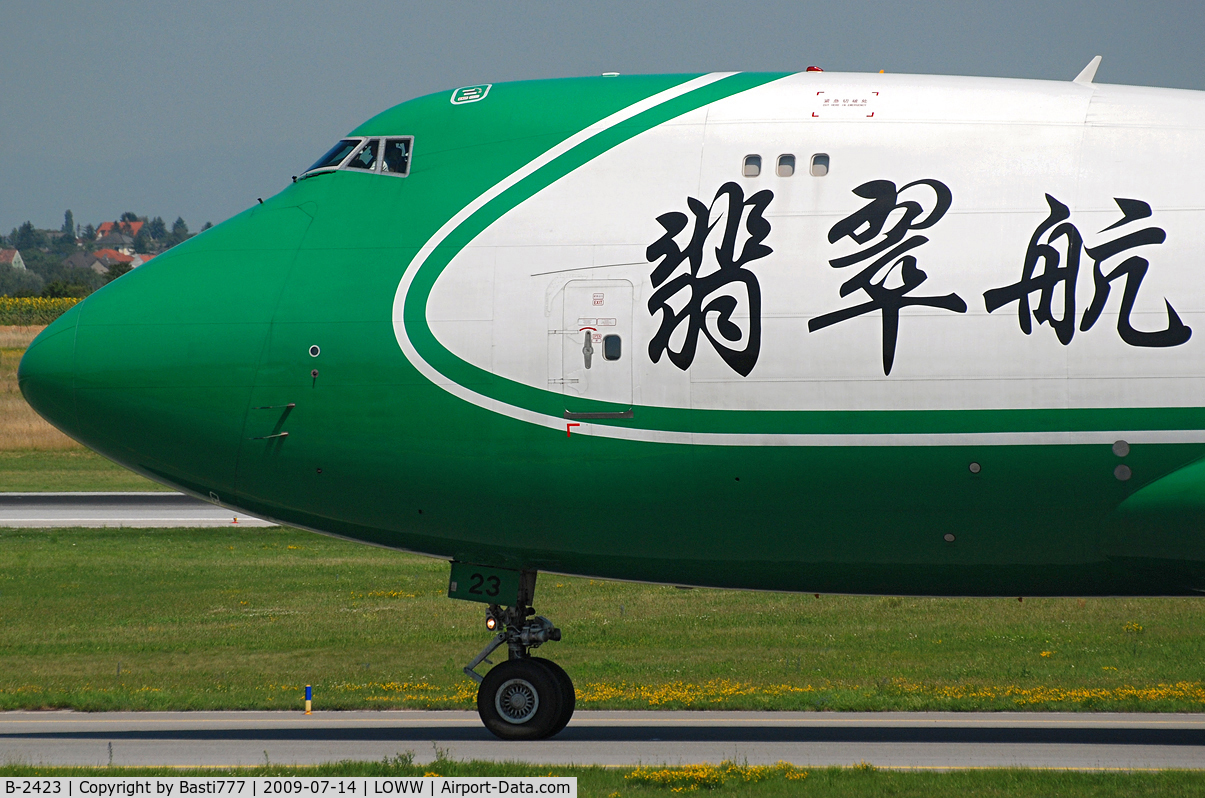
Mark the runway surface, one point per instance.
(938, 740)
(152, 509)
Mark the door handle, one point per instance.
(587, 349)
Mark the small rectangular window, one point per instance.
(752, 166)
(819, 164)
(395, 158)
(786, 165)
(612, 347)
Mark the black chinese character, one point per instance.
(1056, 269)
(1133, 269)
(867, 224)
(710, 291)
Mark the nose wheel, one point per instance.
(525, 697)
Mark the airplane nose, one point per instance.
(163, 371)
(46, 374)
(156, 369)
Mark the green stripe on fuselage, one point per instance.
(417, 328)
(749, 422)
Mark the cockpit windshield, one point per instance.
(366, 158)
(336, 154)
(379, 155)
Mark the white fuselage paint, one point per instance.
(999, 146)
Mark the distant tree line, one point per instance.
(45, 252)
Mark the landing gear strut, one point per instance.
(526, 697)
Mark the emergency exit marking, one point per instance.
(569, 429)
(598, 299)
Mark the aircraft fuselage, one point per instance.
(815, 332)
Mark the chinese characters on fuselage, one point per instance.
(707, 292)
(1057, 245)
(696, 295)
(891, 251)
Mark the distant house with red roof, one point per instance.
(110, 256)
(100, 260)
(12, 257)
(128, 228)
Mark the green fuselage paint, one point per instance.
(351, 355)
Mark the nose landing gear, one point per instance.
(526, 697)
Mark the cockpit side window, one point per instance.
(336, 154)
(366, 158)
(395, 158)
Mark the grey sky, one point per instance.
(197, 108)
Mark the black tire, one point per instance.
(568, 696)
(520, 700)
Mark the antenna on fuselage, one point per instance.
(1088, 73)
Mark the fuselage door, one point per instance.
(596, 342)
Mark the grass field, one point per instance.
(21, 429)
(242, 618)
(35, 456)
(68, 469)
(732, 779)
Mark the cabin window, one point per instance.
(395, 158)
(786, 165)
(336, 154)
(612, 347)
(752, 166)
(819, 164)
(366, 158)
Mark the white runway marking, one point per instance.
(98, 510)
(938, 740)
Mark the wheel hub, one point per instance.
(516, 701)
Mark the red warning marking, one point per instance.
(819, 93)
(569, 427)
(875, 93)
(815, 114)
(870, 114)
(595, 329)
